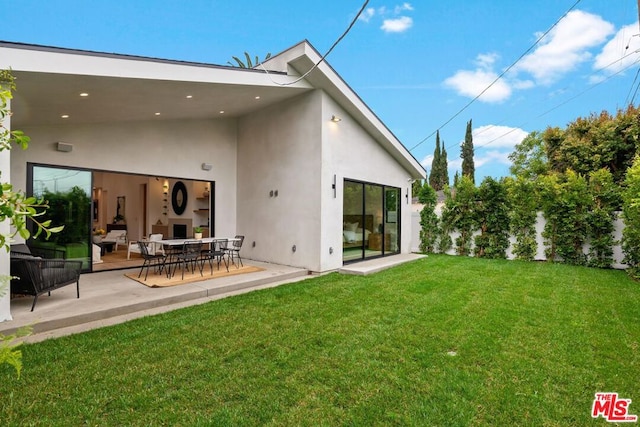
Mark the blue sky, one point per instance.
(416, 64)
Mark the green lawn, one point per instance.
(443, 341)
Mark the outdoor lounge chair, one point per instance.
(117, 237)
(34, 276)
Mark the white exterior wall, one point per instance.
(295, 148)
(279, 150)
(349, 152)
(155, 148)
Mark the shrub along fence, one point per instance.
(541, 248)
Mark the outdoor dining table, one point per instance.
(174, 246)
(204, 240)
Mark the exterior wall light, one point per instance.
(335, 119)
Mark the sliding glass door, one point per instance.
(370, 221)
(68, 193)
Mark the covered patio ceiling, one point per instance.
(44, 98)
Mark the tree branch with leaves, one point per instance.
(16, 208)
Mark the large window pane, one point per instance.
(371, 222)
(68, 192)
(353, 233)
(391, 219)
(373, 228)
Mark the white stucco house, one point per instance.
(300, 166)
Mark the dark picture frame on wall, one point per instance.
(179, 198)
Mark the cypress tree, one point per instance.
(444, 167)
(434, 175)
(468, 167)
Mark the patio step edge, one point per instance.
(109, 313)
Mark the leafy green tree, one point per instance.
(631, 216)
(74, 203)
(247, 63)
(461, 211)
(523, 199)
(468, 165)
(428, 219)
(16, 208)
(576, 205)
(550, 199)
(529, 158)
(446, 226)
(14, 205)
(434, 174)
(416, 187)
(566, 202)
(605, 200)
(492, 218)
(596, 142)
(444, 167)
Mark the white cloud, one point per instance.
(367, 14)
(403, 7)
(492, 144)
(491, 157)
(566, 46)
(498, 136)
(397, 25)
(426, 162)
(454, 165)
(486, 60)
(393, 20)
(620, 52)
(472, 83)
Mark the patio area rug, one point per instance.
(155, 280)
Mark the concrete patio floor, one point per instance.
(108, 297)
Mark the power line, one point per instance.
(575, 96)
(353, 22)
(499, 77)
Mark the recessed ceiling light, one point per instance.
(157, 114)
(258, 97)
(65, 116)
(221, 111)
(189, 96)
(84, 94)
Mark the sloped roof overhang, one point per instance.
(301, 59)
(130, 88)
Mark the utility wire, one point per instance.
(573, 97)
(626, 100)
(497, 78)
(353, 22)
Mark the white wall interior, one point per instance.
(279, 151)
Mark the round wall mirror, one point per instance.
(179, 198)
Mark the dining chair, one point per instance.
(190, 256)
(234, 250)
(216, 253)
(151, 258)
